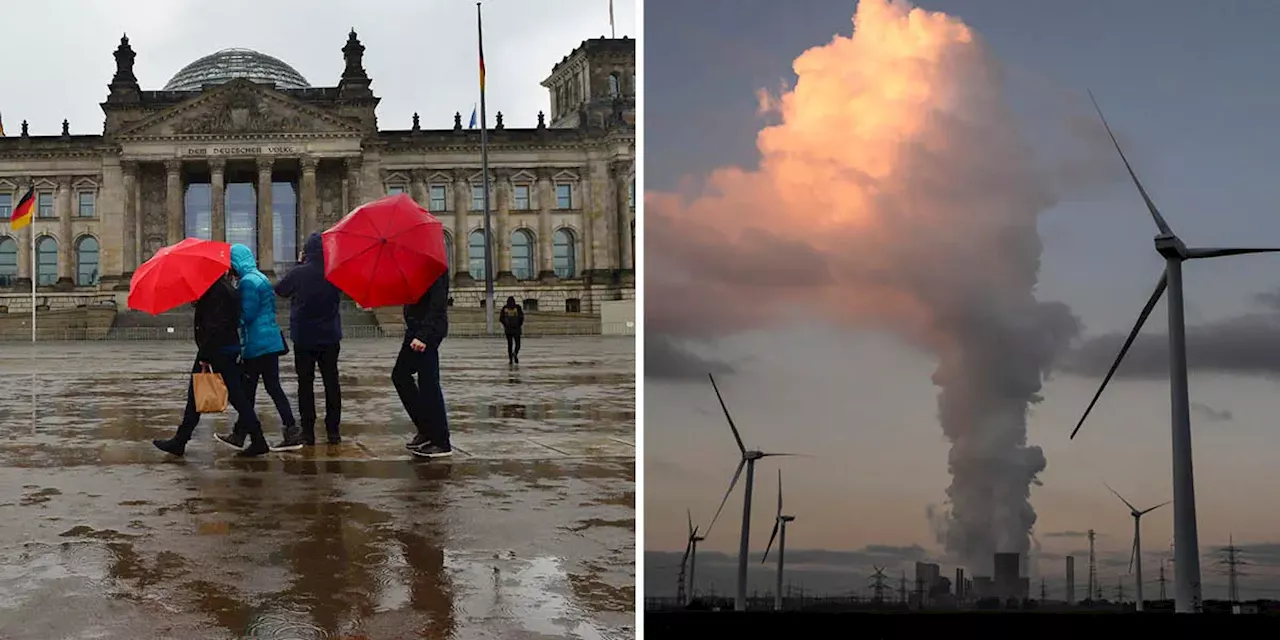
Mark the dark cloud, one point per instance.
(1246, 345)
(1209, 413)
(665, 357)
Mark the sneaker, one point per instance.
(516, 358)
(257, 447)
(432, 451)
(171, 447)
(289, 443)
(335, 439)
(418, 442)
(233, 440)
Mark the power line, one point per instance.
(1232, 560)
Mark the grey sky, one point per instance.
(421, 56)
(1188, 88)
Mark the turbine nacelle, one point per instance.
(1171, 246)
(787, 518)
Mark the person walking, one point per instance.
(262, 344)
(426, 324)
(512, 319)
(316, 328)
(217, 317)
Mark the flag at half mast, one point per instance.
(23, 211)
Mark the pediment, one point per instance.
(565, 176)
(439, 177)
(522, 176)
(240, 107)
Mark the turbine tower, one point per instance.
(749, 461)
(1136, 554)
(1171, 248)
(779, 525)
(689, 562)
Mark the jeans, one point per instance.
(232, 376)
(268, 368)
(305, 360)
(513, 346)
(423, 400)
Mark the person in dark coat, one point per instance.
(512, 319)
(316, 329)
(426, 323)
(217, 323)
(262, 344)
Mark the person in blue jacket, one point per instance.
(261, 344)
(316, 328)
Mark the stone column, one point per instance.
(354, 165)
(418, 190)
(307, 198)
(266, 219)
(502, 228)
(217, 191)
(130, 222)
(66, 244)
(622, 258)
(597, 206)
(546, 194)
(175, 227)
(461, 229)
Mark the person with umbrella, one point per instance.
(217, 318)
(512, 319)
(263, 344)
(391, 251)
(316, 328)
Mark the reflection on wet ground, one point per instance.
(529, 532)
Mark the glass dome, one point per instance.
(229, 64)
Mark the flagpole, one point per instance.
(31, 231)
(612, 32)
(484, 170)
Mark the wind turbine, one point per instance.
(1174, 252)
(779, 525)
(1136, 554)
(690, 560)
(749, 461)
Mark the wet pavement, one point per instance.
(528, 532)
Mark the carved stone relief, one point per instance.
(152, 196)
(329, 192)
(244, 110)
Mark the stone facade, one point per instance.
(562, 195)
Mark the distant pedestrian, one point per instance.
(316, 328)
(217, 317)
(426, 324)
(512, 319)
(262, 344)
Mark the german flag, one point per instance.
(22, 213)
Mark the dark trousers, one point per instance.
(513, 345)
(268, 368)
(423, 400)
(232, 376)
(305, 360)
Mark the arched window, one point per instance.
(564, 262)
(46, 261)
(87, 262)
(615, 85)
(475, 250)
(8, 262)
(522, 254)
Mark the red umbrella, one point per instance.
(178, 274)
(386, 252)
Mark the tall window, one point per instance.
(6, 206)
(522, 254)
(8, 262)
(615, 85)
(198, 205)
(521, 199)
(564, 196)
(439, 199)
(242, 215)
(631, 194)
(477, 197)
(476, 254)
(46, 261)
(87, 262)
(396, 189)
(44, 204)
(87, 204)
(562, 253)
(284, 225)
(448, 251)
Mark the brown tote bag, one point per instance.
(209, 390)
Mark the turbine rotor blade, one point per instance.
(1126, 502)
(773, 535)
(798, 455)
(1151, 206)
(684, 562)
(736, 474)
(690, 514)
(1133, 551)
(728, 417)
(1143, 513)
(1193, 254)
(779, 491)
(1133, 335)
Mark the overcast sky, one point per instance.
(421, 56)
(1189, 88)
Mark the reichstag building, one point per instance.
(238, 146)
